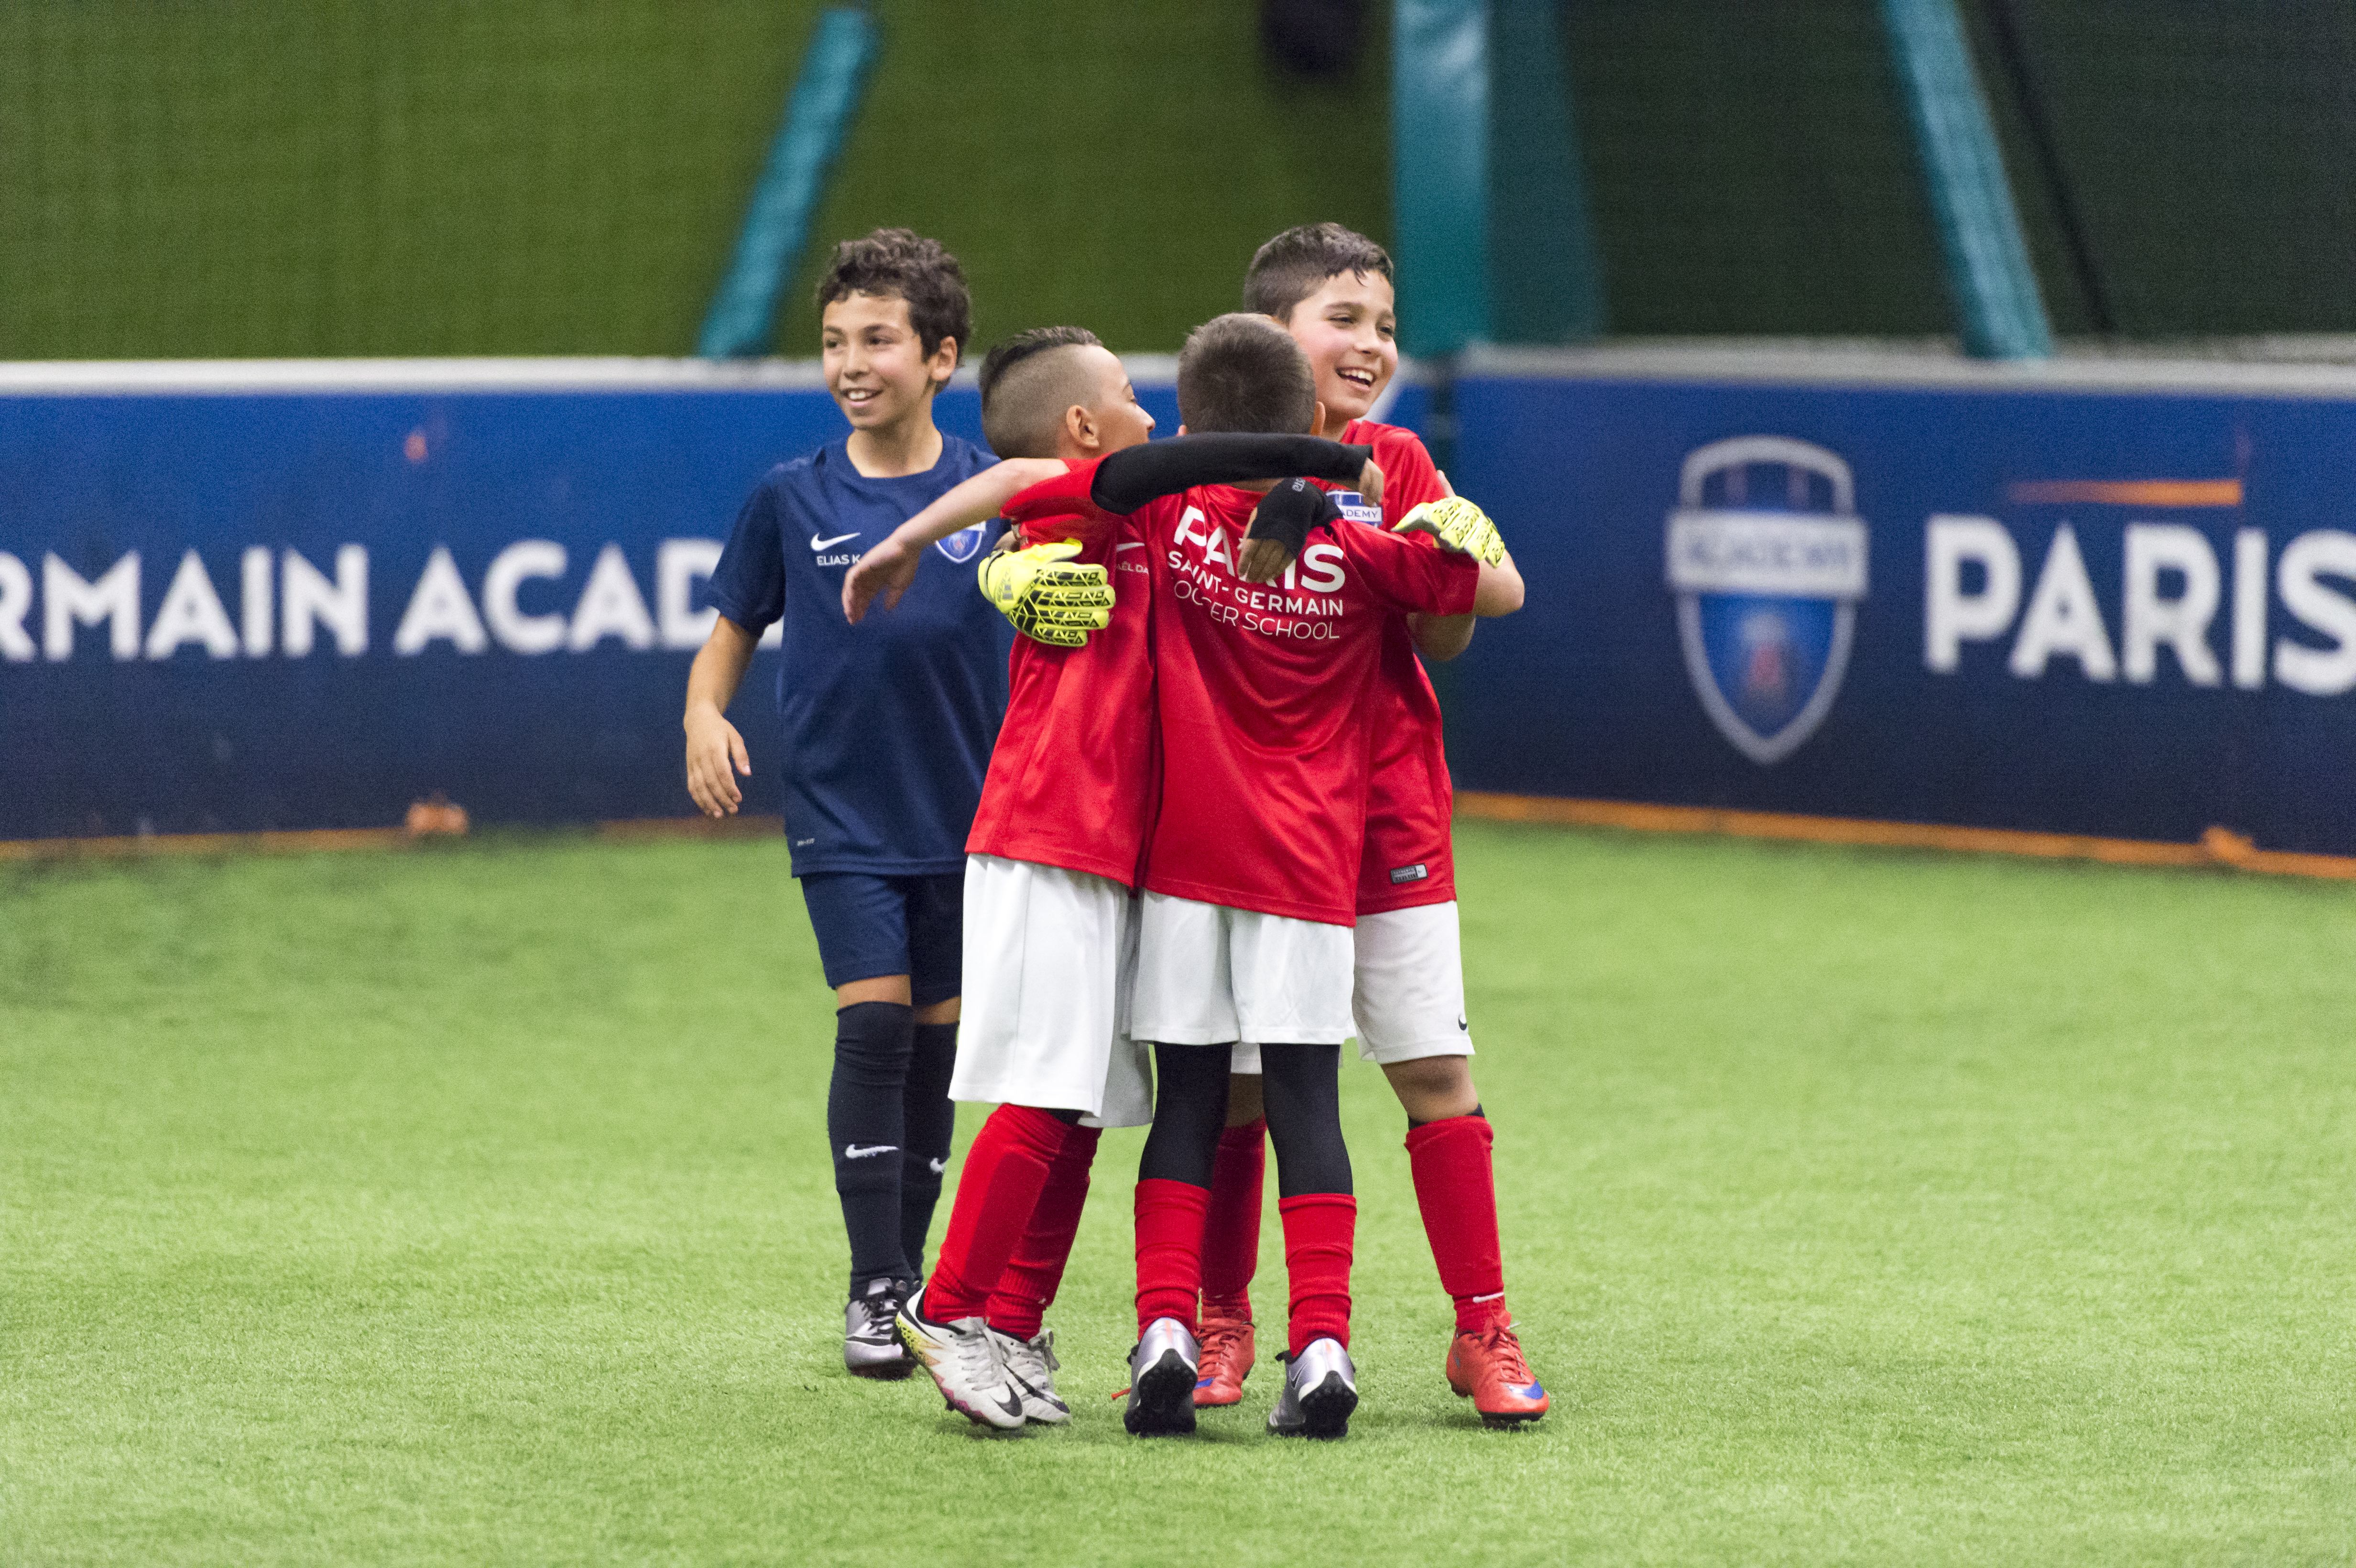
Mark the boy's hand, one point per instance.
(887, 570)
(1279, 526)
(1370, 483)
(713, 746)
(1048, 599)
(1458, 526)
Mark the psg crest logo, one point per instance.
(1767, 559)
(963, 545)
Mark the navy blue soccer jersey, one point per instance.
(888, 724)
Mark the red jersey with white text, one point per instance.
(1072, 779)
(1409, 859)
(1262, 693)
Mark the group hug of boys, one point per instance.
(1155, 865)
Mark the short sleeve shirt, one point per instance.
(1262, 693)
(888, 724)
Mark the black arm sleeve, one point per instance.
(1136, 474)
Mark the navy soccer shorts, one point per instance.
(870, 925)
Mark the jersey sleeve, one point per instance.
(1412, 578)
(1409, 477)
(748, 585)
(1052, 508)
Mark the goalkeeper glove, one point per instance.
(1458, 526)
(1048, 599)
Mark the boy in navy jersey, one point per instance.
(888, 728)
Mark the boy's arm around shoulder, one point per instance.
(890, 566)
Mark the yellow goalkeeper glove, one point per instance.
(1458, 525)
(1048, 599)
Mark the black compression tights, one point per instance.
(1301, 1086)
(1189, 1107)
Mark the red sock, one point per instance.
(1231, 1230)
(1457, 1191)
(1319, 1228)
(1027, 1286)
(1005, 1172)
(1168, 1251)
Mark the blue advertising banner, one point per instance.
(2105, 599)
(239, 599)
(2110, 600)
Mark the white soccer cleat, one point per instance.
(871, 1345)
(1162, 1372)
(1031, 1371)
(964, 1363)
(1321, 1390)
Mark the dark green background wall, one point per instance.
(202, 177)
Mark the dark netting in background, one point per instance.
(263, 177)
(1752, 169)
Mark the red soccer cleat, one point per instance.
(1487, 1366)
(1227, 1357)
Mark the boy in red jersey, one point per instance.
(1252, 870)
(1054, 848)
(1332, 291)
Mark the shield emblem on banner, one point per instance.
(1767, 559)
(962, 546)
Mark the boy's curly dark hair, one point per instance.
(900, 263)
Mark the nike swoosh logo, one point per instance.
(817, 543)
(1012, 1404)
(939, 1166)
(852, 1151)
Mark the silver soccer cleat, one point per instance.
(1321, 1390)
(871, 1345)
(964, 1364)
(1031, 1371)
(1161, 1380)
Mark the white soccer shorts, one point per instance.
(1048, 954)
(1207, 974)
(1409, 995)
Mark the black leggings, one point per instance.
(1301, 1086)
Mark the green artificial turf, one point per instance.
(470, 1205)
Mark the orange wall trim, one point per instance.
(2217, 847)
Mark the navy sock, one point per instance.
(866, 1127)
(928, 1117)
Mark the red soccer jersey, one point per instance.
(1262, 694)
(1072, 776)
(1409, 859)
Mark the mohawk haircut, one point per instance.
(1241, 372)
(1027, 382)
(900, 263)
(1296, 263)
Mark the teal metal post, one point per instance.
(1546, 277)
(1489, 203)
(1440, 172)
(743, 317)
(1988, 274)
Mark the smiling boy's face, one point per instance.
(1349, 329)
(876, 363)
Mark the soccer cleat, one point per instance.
(965, 1365)
(1487, 1366)
(1031, 1371)
(871, 1346)
(1161, 1380)
(1321, 1390)
(1227, 1358)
